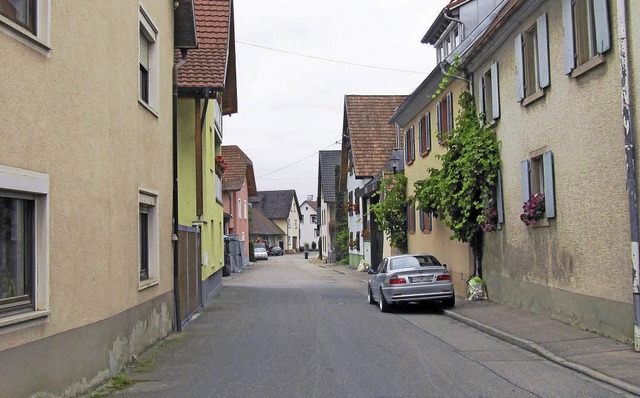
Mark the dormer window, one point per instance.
(449, 41)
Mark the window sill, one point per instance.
(23, 35)
(587, 66)
(146, 284)
(409, 163)
(541, 223)
(149, 108)
(23, 320)
(425, 153)
(533, 97)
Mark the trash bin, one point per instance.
(306, 255)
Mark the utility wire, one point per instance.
(328, 59)
(298, 161)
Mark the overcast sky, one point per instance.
(290, 107)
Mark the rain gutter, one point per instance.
(629, 150)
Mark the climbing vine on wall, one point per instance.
(391, 210)
(460, 190)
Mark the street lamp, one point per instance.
(394, 162)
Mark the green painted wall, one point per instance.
(212, 244)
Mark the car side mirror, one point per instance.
(371, 271)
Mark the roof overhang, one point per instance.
(419, 99)
(184, 25)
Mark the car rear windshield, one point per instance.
(414, 261)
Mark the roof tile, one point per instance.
(206, 65)
(372, 135)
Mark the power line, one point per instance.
(298, 161)
(328, 59)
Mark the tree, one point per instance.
(391, 210)
(342, 225)
(462, 191)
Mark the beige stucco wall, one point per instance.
(585, 250)
(75, 116)
(455, 254)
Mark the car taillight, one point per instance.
(443, 277)
(397, 281)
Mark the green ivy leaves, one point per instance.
(391, 210)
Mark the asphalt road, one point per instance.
(288, 328)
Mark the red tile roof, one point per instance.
(207, 65)
(239, 169)
(372, 135)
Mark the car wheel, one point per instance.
(370, 295)
(449, 303)
(384, 306)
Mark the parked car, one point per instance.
(410, 278)
(276, 251)
(260, 253)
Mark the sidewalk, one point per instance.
(598, 357)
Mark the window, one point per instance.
(444, 116)
(537, 177)
(148, 61)
(411, 218)
(424, 137)
(22, 12)
(489, 95)
(23, 245)
(27, 21)
(246, 210)
(586, 33)
(410, 147)
(314, 219)
(532, 61)
(149, 266)
(449, 41)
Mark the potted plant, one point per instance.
(533, 209)
(221, 165)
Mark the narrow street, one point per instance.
(288, 328)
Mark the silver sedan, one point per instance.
(410, 278)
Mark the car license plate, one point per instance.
(421, 278)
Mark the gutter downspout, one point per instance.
(629, 149)
(174, 209)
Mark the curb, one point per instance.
(538, 350)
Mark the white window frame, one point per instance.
(36, 184)
(239, 209)
(246, 210)
(41, 40)
(149, 30)
(149, 199)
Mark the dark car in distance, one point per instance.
(276, 251)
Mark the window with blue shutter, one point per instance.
(532, 61)
(549, 189)
(524, 180)
(422, 224)
(586, 31)
(407, 153)
(413, 145)
(430, 222)
(543, 51)
(420, 134)
(499, 199)
(495, 91)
